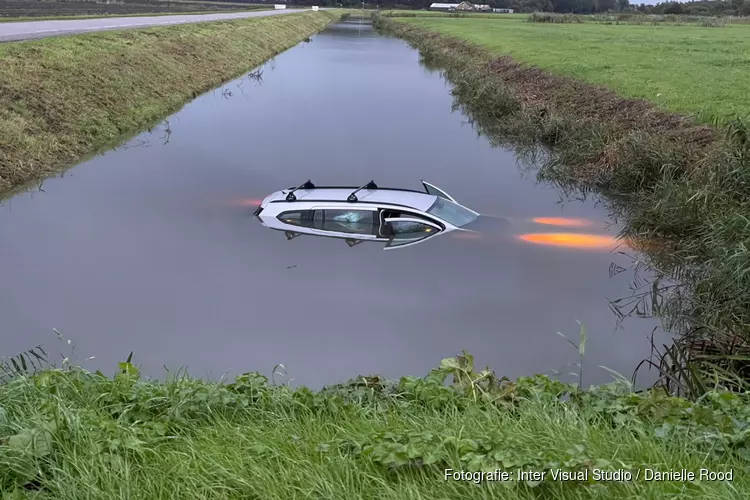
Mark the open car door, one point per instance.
(436, 191)
(408, 231)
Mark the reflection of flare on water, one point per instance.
(572, 240)
(246, 202)
(562, 221)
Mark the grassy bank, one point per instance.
(688, 69)
(64, 17)
(69, 434)
(67, 97)
(679, 188)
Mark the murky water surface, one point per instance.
(153, 248)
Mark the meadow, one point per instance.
(688, 69)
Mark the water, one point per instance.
(146, 249)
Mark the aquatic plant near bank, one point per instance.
(68, 433)
(667, 178)
(23, 363)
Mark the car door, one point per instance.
(436, 191)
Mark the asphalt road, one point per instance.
(28, 30)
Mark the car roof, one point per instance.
(389, 196)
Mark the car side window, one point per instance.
(346, 221)
(297, 218)
(389, 214)
(410, 228)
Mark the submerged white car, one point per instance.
(398, 217)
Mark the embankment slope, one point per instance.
(62, 99)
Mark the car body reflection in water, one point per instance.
(396, 217)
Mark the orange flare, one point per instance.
(571, 240)
(246, 202)
(562, 221)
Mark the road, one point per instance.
(28, 30)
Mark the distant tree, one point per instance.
(674, 8)
(744, 9)
(697, 9)
(606, 5)
(622, 5)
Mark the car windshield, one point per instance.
(451, 212)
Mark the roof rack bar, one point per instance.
(307, 185)
(353, 197)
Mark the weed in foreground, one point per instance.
(67, 433)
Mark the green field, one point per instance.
(69, 434)
(687, 69)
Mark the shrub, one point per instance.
(551, 17)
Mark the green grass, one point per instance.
(690, 70)
(69, 434)
(67, 97)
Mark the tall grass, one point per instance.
(551, 17)
(636, 19)
(67, 434)
(23, 363)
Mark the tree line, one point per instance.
(700, 8)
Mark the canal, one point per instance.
(152, 247)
